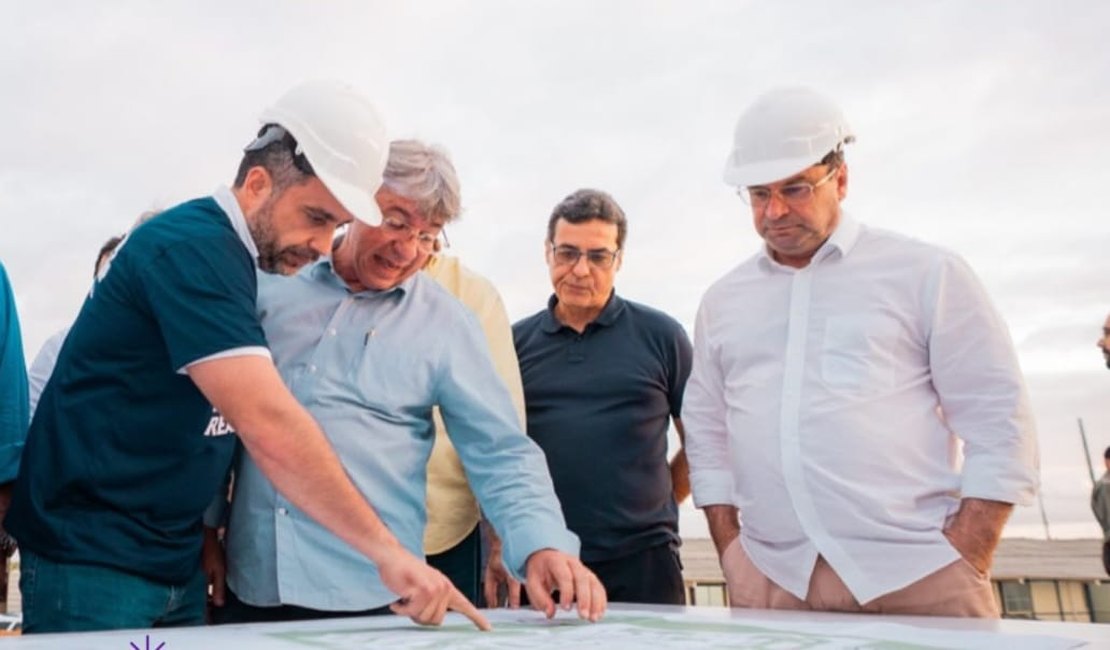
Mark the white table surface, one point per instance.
(261, 636)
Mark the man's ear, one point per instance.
(257, 188)
(842, 181)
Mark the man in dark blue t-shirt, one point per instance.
(13, 403)
(130, 440)
(603, 378)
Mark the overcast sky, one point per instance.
(983, 127)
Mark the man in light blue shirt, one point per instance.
(369, 346)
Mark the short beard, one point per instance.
(262, 232)
(271, 258)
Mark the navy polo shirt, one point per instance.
(124, 452)
(599, 405)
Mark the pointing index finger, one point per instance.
(460, 604)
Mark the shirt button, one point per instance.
(282, 511)
(312, 369)
(332, 332)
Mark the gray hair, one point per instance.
(423, 173)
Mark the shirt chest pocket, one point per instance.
(859, 353)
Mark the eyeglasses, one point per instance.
(795, 194)
(599, 258)
(426, 242)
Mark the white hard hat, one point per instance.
(343, 137)
(782, 133)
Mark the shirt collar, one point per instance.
(322, 270)
(840, 243)
(613, 309)
(225, 198)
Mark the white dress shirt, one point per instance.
(43, 366)
(826, 403)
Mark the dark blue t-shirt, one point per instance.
(124, 452)
(599, 405)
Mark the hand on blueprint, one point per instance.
(496, 576)
(549, 570)
(214, 565)
(425, 593)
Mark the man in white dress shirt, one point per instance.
(835, 373)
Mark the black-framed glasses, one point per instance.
(796, 194)
(599, 258)
(271, 133)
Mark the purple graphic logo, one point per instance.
(160, 646)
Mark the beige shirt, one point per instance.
(452, 508)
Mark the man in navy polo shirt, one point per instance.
(603, 379)
(129, 442)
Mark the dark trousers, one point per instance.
(462, 564)
(236, 611)
(653, 575)
(1106, 556)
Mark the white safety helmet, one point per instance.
(782, 133)
(343, 137)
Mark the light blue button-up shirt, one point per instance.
(370, 366)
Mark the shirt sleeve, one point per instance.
(981, 389)
(681, 360)
(203, 295)
(505, 468)
(704, 418)
(14, 412)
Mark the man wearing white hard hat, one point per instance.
(167, 357)
(370, 346)
(835, 374)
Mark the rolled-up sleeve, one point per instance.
(981, 389)
(704, 417)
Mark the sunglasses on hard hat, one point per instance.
(275, 133)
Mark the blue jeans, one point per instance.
(83, 597)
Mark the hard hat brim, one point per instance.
(342, 136)
(359, 201)
(765, 173)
